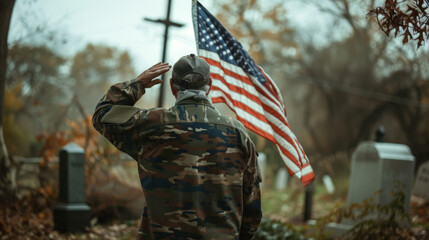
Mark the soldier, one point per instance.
(198, 168)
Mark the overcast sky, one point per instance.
(116, 23)
(120, 23)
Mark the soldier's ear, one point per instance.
(173, 89)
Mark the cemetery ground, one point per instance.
(31, 217)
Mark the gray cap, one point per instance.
(191, 72)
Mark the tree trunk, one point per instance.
(7, 180)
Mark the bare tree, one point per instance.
(362, 81)
(338, 93)
(7, 184)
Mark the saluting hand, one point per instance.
(148, 77)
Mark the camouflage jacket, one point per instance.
(198, 169)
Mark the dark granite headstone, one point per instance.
(72, 214)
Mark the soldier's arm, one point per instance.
(115, 116)
(252, 211)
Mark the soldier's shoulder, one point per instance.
(155, 110)
(119, 114)
(239, 125)
(234, 123)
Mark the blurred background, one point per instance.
(341, 78)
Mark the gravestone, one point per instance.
(72, 214)
(329, 184)
(421, 186)
(379, 167)
(376, 167)
(282, 179)
(262, 162)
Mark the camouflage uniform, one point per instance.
(198, 168)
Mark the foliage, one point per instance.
(373, 221)
(274, 202)
(100, 63)
(37, 70)
(274, 229)
(35, 85)
(420, 212)
(48, 80)
(44, 89)
(32, 218)
(94, 69)
(411, 23)
(261, 27)
(82, 133)
(19, 142)
(32, 64)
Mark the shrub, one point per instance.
(277, 230)
(387, 221)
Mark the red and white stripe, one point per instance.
(260, 108)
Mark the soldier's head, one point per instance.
(190, 72)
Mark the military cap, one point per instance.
(191, 72)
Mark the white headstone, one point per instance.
(329, 184)
(378, 167)
(262, 161)
(421, 187)
(282, 179)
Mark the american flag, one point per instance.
(244, 86)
